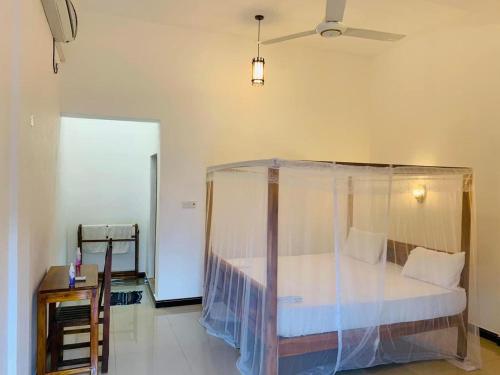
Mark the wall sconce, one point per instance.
(258, 62)
(420, 193)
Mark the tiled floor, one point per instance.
(145, 340)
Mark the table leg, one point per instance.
(94, 333)
(41, 336)
(53, 338)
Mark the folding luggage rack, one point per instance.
(135, 238)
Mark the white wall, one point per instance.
(27, 169)
(104, 178)
(5, 113)
(435, 102)
(37, 148)
(196, 83)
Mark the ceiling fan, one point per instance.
(333, 27)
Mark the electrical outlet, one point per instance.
(189, 204)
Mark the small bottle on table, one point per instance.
(72, 275)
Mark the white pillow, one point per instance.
(365, 246)
(435, 267)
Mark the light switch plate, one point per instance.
(189, 204)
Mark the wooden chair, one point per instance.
(79, 316)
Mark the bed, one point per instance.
(405, 299)
(274, 304)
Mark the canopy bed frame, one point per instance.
(397, 252)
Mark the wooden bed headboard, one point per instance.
(398, 252)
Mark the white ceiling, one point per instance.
(410, 17)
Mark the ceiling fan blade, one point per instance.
(335, 10)
(373, 35)
(288, 37)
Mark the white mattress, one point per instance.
(369, 295)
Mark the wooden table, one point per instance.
(55, 288)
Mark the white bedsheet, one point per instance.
(370, 296)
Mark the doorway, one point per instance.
(104, 178)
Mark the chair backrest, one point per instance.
(106, 297)
(105, 291)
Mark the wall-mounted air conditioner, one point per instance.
(62, 18)
(63, 23)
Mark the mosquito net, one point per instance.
(314, 267)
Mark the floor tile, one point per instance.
(490, 352)
(205, 354)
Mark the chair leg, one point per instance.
(105, 349)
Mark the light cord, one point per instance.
(258, 41)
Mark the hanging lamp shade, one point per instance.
(258, 71)
(258, 62)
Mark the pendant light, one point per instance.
(258, 62)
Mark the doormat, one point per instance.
(126, 298)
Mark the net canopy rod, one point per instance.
(405, 169)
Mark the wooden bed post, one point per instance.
(208, 223)
(271, 300)
(464, 279)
